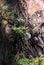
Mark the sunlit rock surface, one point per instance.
(35, 5)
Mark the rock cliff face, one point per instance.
(35, 5)
(32, 6)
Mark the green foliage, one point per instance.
(35, 31)
(11, 13)
(19, 22)
(18, 27)
(5, 7)
(19, 30)
(36, 61)
(23, 61)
